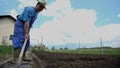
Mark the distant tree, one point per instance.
(77, 48)
(35, 46)
(46, 48)
(53, 48)
(107, 47)
(61, 48)
(65, 48)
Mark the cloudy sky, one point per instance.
(68, 23)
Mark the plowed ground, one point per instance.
(66, 60)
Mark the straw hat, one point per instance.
(43, 2)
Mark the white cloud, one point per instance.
(58, 8)
(74, 22)
(110, 31)
(119, 15)
(78, 23)
(13, 13)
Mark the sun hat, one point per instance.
(42, 2)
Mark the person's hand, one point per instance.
(26, 36)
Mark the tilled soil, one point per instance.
(66, 60)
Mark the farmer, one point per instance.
(22, 28)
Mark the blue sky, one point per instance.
(70, 21)
(104, 8)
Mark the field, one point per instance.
(74, 60)
(5, 52)
(65, 58)
(82, 58)
(106, 51)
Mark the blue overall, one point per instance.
(28, 15)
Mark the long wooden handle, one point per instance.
(21, 52)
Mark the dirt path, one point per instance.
(10, 64)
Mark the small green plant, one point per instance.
(6, 50)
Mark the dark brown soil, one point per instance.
(3, 58)
(65, 60)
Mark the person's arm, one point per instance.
(26, 16)
(26, 29)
